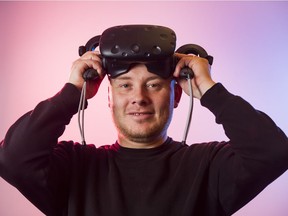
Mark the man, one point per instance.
(145, 172)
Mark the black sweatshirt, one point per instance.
(213, 178)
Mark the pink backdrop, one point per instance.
(40, 40)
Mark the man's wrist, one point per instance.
(205, 87)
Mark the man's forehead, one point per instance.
(130, 75)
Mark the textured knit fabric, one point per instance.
(213, 178)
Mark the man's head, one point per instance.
(140, 61)
(142, 105)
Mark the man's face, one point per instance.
(141, 104)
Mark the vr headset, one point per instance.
(122, 46)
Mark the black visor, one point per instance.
(163, 67)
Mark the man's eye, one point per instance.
(153, 86)
(124, 85)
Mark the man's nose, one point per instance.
(140, 96)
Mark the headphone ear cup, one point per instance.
(81, 50)
(91, 45)
(192, 49)
(196, 50)
(104, 64)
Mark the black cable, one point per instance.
(189, 116)
(81, 108)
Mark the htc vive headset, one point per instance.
(122, 46)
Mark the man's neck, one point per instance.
(141, 143)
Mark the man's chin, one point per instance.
(143, 137)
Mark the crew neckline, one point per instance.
(142, 152)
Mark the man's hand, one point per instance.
(202, 80)
(90, 59)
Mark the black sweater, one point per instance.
(213, 178)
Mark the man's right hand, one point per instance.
(90, 59)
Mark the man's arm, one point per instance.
(30, 158)
(26, 153)
(258, 151)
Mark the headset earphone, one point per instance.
(154, 46)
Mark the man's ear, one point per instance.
(177, 94)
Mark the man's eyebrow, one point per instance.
(123, 77)
(154, 78)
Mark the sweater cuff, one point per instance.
(216, 98)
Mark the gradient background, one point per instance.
(40, 40)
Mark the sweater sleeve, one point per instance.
(26, 151)
(256, 154)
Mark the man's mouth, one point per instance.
(141, 115)
(138, 114)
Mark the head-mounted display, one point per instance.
(122, 46)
